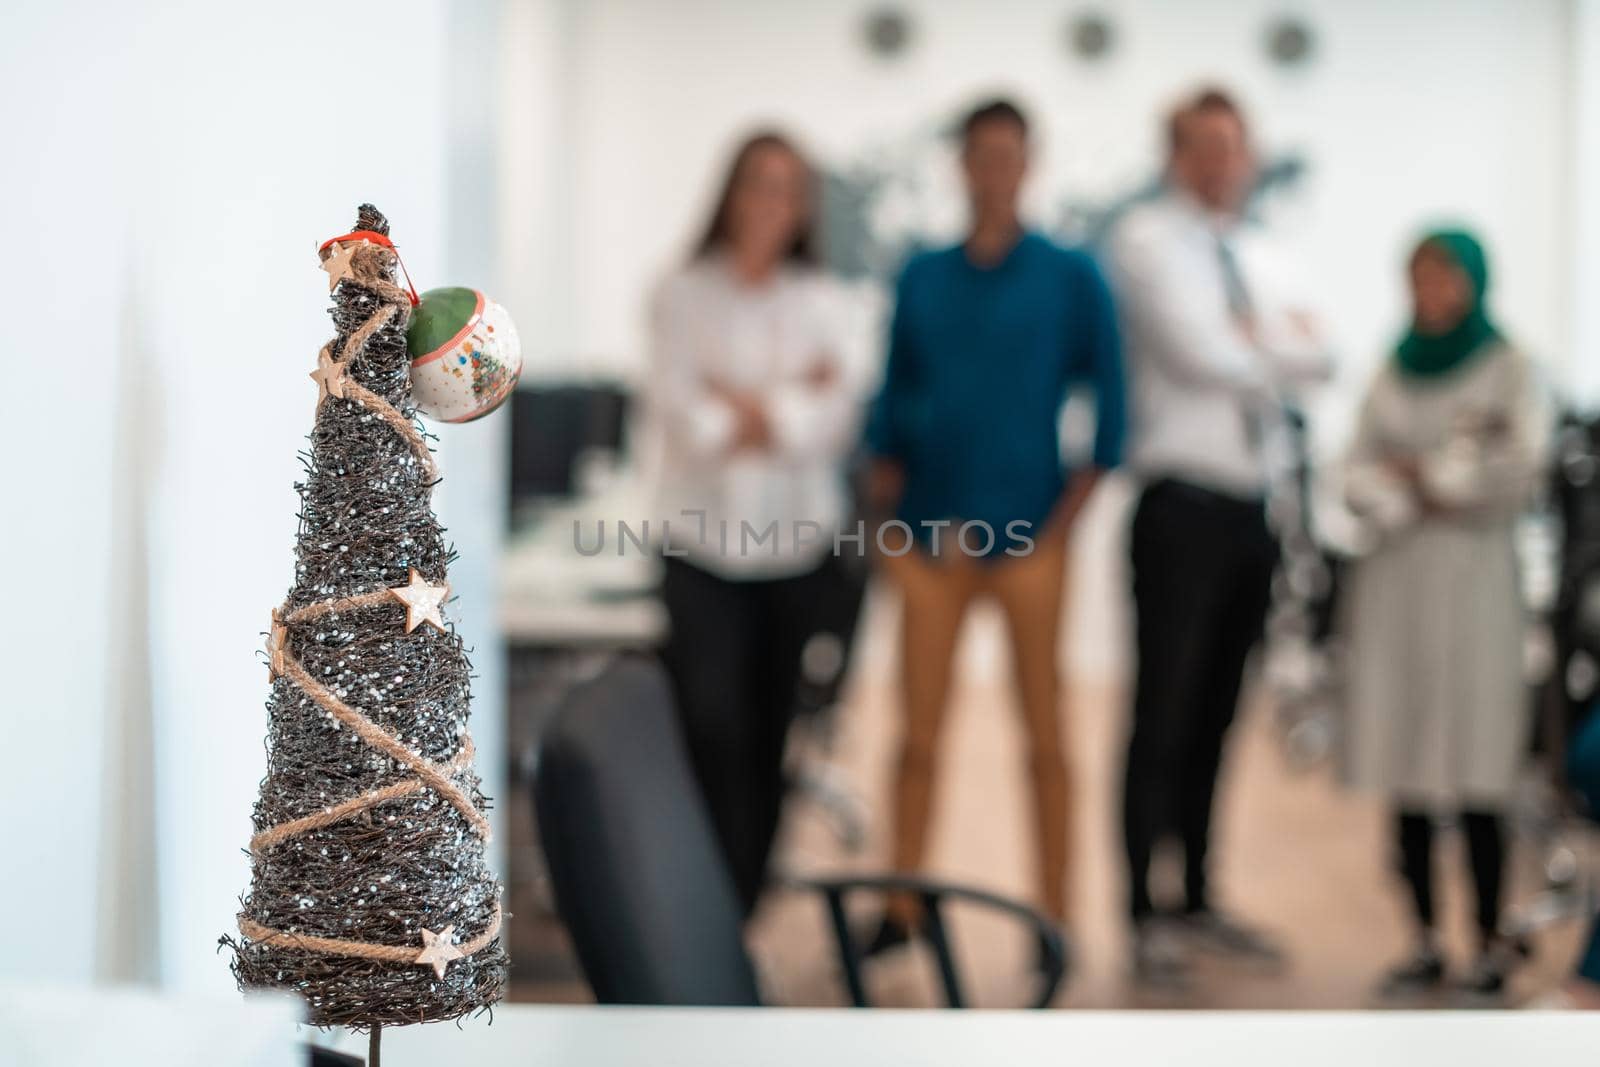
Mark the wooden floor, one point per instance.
(1293, 853)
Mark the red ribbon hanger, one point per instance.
(378, 239)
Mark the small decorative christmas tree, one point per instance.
(370, 896)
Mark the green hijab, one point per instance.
(1433, 355)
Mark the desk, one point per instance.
(80, 1026)
(553, 596)
(539, 1036)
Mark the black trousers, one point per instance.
(734, 658)
(1486, 853)
(1202, 575)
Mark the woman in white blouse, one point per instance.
(754, 410)
(1447, 453)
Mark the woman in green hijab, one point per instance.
(1449, 277)
(1448, 449)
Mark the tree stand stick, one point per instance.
(373, 1037)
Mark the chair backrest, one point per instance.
(638, 876)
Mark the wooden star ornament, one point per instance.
(329, 376)
(338, 262)
(438, 950)
(423, 601)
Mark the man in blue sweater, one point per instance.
(988, 339)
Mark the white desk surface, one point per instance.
(75, 1026)
(559, 1036)
(552, 595)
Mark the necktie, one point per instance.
(1239, 305)
(1233, 280)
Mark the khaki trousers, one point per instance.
(936, 593)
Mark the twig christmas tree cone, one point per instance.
(370, 896)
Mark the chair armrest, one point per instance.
(1054, 955)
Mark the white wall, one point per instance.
(1583, 231)
(1409, 113)
(66, 263)
(172, 168)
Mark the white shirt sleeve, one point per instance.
(1298, 357)
(1372, 489)
(808, 419)
(1169, 301)
(674, 388)
(1494, 469)
(820, 417)
(1296, 350)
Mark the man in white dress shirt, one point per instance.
(1215, 335)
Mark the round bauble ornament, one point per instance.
(465, 355)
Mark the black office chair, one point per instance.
(640, 881)
(327, 1057)
(1552, 817)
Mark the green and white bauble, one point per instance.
(465, 354)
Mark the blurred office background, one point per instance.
(171, 167)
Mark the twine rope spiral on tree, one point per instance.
(369, 265)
